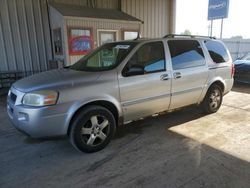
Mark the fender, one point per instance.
(207, 86)
(78, 104)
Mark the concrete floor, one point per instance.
(180, 149)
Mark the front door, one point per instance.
(145, 82)
(190, 72)
(106, 36)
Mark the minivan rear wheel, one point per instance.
(213, 99)
(92, 129)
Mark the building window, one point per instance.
(58, 41)
(130, 35)
(74, 32)
(106, 36)
(80, 41)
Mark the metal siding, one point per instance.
(75, 2)
(3, 53)
(24, 33)
(7, 35)
(32, 34)
(112, 4)
(46, 29)
(154, 13)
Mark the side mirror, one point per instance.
(135, 70)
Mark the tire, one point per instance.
(212, 100)
(92, 129)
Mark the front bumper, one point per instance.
(37, 122)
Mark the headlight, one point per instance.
(40, 98)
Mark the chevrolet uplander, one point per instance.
(121, 82)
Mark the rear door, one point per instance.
(143, 94)
(190, 72)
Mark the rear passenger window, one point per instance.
(186, 54)
(217, 51)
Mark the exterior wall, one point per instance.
(158, 15)
(112, 4)
(97, 24)
(57, 21)
(25, 36)
(237, 48)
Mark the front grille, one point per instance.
(13, 97)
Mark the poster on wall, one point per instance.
(80, 45)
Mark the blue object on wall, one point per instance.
(218, 9)
(80, 45)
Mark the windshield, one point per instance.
(106, 57)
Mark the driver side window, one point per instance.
(149, 58)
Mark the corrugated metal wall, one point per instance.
(112, 4)
(24, 35)
(25, 41)
(156, 15)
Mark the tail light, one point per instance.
(233, 70)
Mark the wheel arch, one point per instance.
(216, 81)
(220, 83)
(116, 111)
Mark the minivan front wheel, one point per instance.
(92, 129)
(213, 99)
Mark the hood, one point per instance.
(55, 79)
(239, 62)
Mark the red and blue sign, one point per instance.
(80, 45)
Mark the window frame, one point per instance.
(103, 31)
(69, 28)
(211, 59)
(201, 46)
(128, 30)
(136, 50)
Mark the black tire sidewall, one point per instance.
(206, 105)
(81, 119)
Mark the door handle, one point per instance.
(164, 77)
(177, 75)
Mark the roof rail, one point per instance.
(191, 36)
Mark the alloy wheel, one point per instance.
(215, 99)
(95, 130)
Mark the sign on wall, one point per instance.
(80, 45)
(218, 9)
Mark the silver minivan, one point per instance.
(118, 83)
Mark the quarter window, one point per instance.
(186, 54)
(150, 58)
(217, 51)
